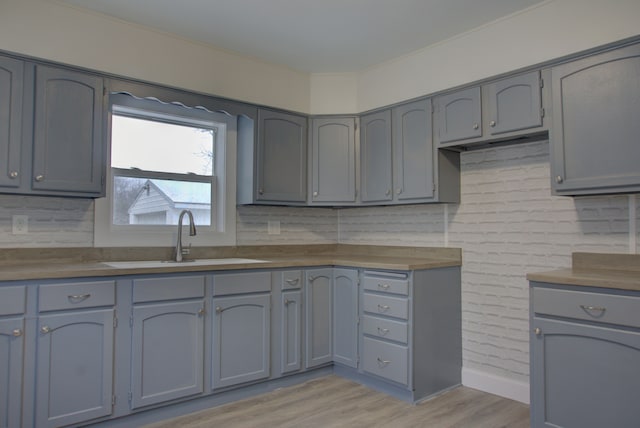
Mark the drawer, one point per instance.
(385, 329)
(397, 307)
(169, 288)
(241, 283)
(387, 284)
(291, 279)
(13, 300)
(78, 295)
(386, 360)
(605, 308)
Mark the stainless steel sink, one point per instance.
(194, 262)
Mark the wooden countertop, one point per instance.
(29, 264)
(618, 271)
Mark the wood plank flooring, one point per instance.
(335, 402)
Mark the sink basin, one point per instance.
(194, 262)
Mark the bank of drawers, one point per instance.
(385, 326)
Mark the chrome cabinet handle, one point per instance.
(398, 191)
(388, 192)
(219, 310)
(476, 126)
(383, 331)
(17, 332)
(315, 193)
(202, 311)
(383, 363)
(45, 329)
(293, 281)
(13, 174)
(383, 308)
(383, 286)
(589, 309)
(39, 178)
(287, 302)
(537, 331)
(492, 123)
(559, 179)
(261, 191)
(77, 298)
(312, 278)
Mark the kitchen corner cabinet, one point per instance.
(75, 352)
(594, 143)
(167, 339)
(333, 161)
(345, 316)
(585, 351)
(12, 307)
(506, 109)
(318, 321)
(282, 158)
(11, 103)
(375, 157)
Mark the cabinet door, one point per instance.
(413, 151)
(584, 376)
(594, 135)
(241, 338)
(167, 352)
(11, 351)
(318, 331)
(11, 96)
(291, 331)
(68, 148)
(74, 367)
(282, 157)
(345, 317)
(459, 115)
(375, 155)
(333, 160)
(514, 104)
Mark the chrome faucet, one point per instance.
(192, 232)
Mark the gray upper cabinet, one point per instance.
(413, 152)
(459, 116)
(345, 316)
(594, 135)
(514, 104)
(333, 161)
(68, 150)
(375, 157)
(282, 157)
(11, 102)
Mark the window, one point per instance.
(165, 158)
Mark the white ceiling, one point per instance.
(312, 35)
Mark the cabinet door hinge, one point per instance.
(113, 400)
(358, 321)
(115, 322)
(542, 112)
(131, 321)
(130, 396)
(542, 83)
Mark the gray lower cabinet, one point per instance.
(291, 331)
(345, 316)
(282, 157)
(585, 351)
(318, 320)
(12, 320)
(333, 161)
(375, 157)
(594, 136)
(11, 101)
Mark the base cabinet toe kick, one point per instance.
(135, 349)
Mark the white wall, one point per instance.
(50, 30)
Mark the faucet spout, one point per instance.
(192, 232)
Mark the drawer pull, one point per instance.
(383, 363)
(17, 332)
(293, 281)
(383, 308)
(77, 298)
(383, 286)
(591, 309)
(383, 331)
(287, 302)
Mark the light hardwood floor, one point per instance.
(335, 402)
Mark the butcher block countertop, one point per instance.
(51, 263)
(619, 271)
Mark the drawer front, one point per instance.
(385, 329)
(396, 307)
(605, 308)
(241, 283)
(12, 300)
(386, 360)
(291, 280)
(170, 288)
(387, 285)
(55, 297)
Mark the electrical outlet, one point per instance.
(273, 227)
(20, 224)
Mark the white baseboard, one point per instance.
(498, 385)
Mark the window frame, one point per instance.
(222, 230)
